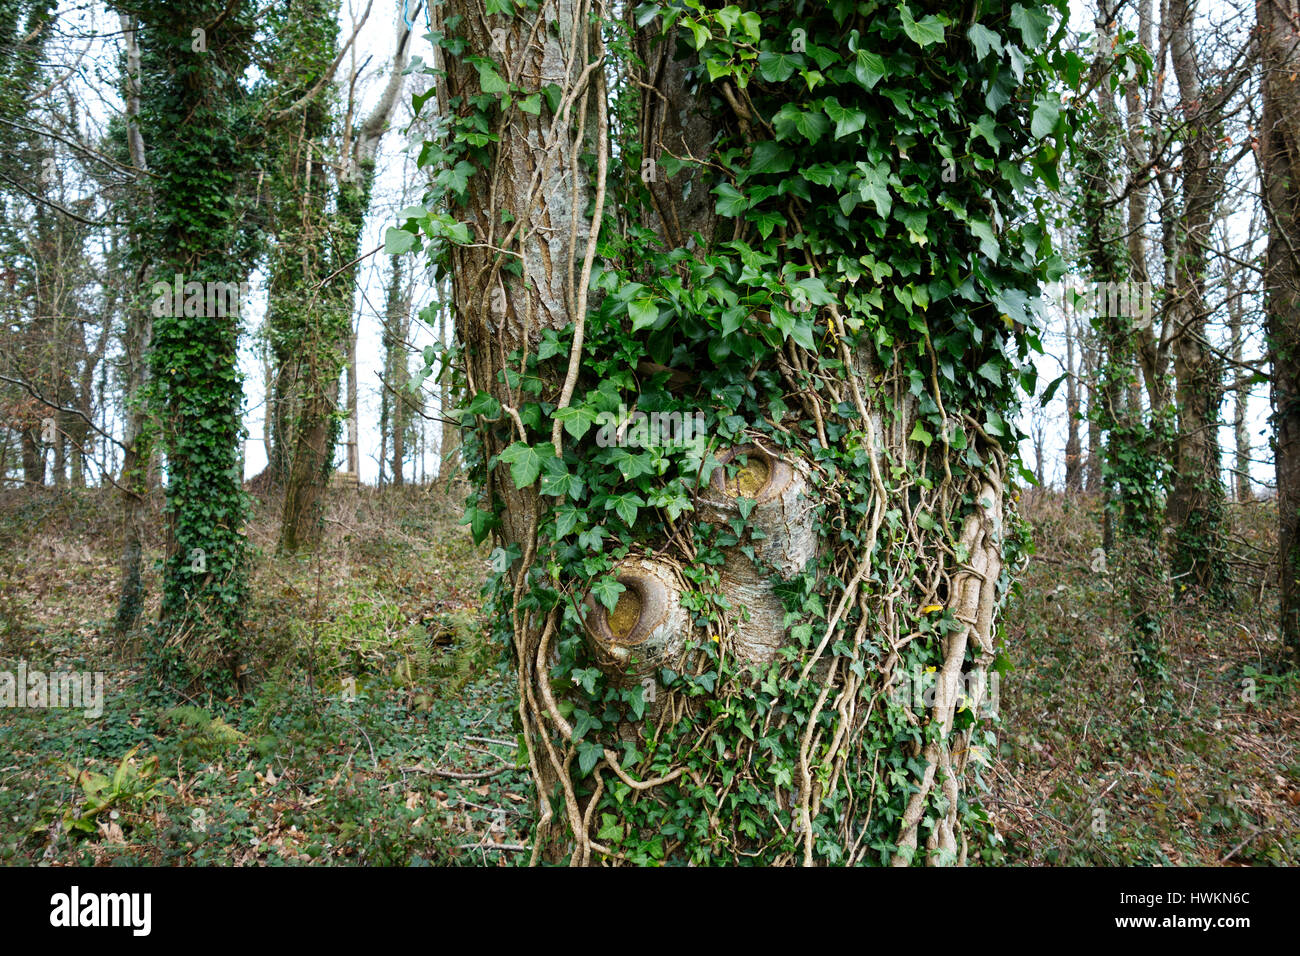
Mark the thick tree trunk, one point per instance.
(1280, 163)
(200, 168)
(312, 453)
(920, 579)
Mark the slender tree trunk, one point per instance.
(1096, 451)
(33, 458)
(449, 443)
(1196, 502)
(1240, 394)
(1073, 454)
(354, 462)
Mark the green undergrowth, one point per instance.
(367, 668)
(1095, 769)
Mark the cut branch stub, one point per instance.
(647, 627)
(784, 517)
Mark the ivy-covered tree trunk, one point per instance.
(1134, 473)
(1280, 164)
(323, 343)
(194, 118)
(1197, 499)
(301, 58)
(746, 459)
(449, 433)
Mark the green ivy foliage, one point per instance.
(876, 196)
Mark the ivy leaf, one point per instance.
(718, 67)
(559, 482)
(479, 521)
(577, 419)
(625, 506)
(915, 220)
(926, 32)
(532, 104)
(771, 157)
(525, 462)
(995, 425)
(566, 519)
(920, 434)
(847, 120)
(733, 319)
(630, 465)
(482, 404)
(699, 33)
(607, 591)
(767, 221)
(1032, 23)
(611, 831)
(790, 120)
(988, 241)
(583, 722)
(456, 179)
(397, 241)
(489, 80)
(642, 312)
(825, 174)
(1051, 389)
(589, 754)
(814, 289)
(590, 540)
(728, 16)
(984, 40)
(731, 201)
(1047, 110)
(553, 94)
(869, 68)
(778, 67)
(874, 189)
(991, 372)
(987, 127)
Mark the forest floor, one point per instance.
(378, 729)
